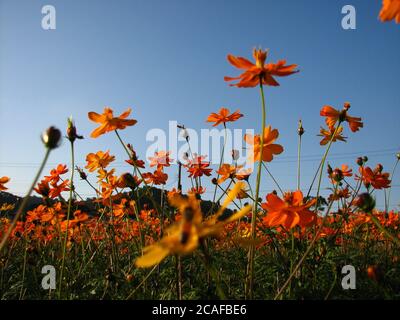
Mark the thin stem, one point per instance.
(273, 178)
(298, 162)
(250, 263)
(71, 187)
(323, 163)
(220, 163)
(25, 201)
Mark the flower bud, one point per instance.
(365, 159)
(300, 129)
(214, 181)
(398, 155)
(337, 175)
(360, 161)
(346, 106)
(379, 168)
(82, 173)
(235, 154)
(71, 131)
(329, 170)
(365, 202)
(51, 138)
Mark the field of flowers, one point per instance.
(136, 240)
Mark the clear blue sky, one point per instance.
(167, 59)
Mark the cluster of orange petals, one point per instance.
(3, 181)
(333, 116)
(335, 135)
(269, 148)
(223, 116)
(197, 167)
(390, 10)
(376, 178)
(259, 73)
(289, 211)
(109, 122)
(51, 186)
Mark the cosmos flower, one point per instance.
(332, 116)
(198, 167)
(223, 116)
(3, 181)
(328, 135)
(161, 159)
(289, 211)
(257, 73)
(269, 148)
(98, 160)
(375, 177)
(109, 122)
(184, 236)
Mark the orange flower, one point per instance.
(269, 149)
(226, 171)
(244, 174)
(43, 188)
(173, 194)
(158, 177)
(223, 116)
(134, 161)
(374, 177)
(56, 189)
(332, 116)
(289, 211)
(197, 167)
(3, 181)
(259, 72)
(98, 160)
(81, 216)
(328, 135)
(109, 122)
(390, 10)
(196, 191)
(55, 173)
(339, 194)
(346, 171)
(161, 159)
(112, 183)
(124, 208)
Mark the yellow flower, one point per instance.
(184, 236)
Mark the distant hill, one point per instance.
(89, 205)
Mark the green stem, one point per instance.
(323, 164)
(220, 163)
(250, 263)
(71, 187)
(298, 163)
(273, 178)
